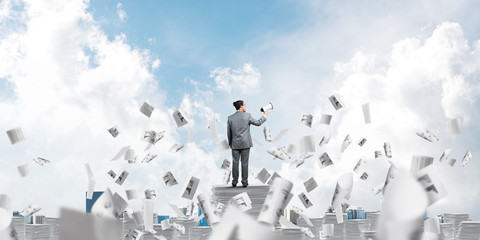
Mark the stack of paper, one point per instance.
(456, 219)
(200, 233)
(370, 235)
(19, 225)
(54, 227)
(469, 230)
(354, 228)
(291, 233)
(373, 217)
(256, 193)
(446, 231)
(338, 228)
(37, 231)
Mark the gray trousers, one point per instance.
(244, 154)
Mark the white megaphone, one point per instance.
(267, 107)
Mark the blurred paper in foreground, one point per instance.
(75, 225)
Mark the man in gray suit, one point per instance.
(239, 139)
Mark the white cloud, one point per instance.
(122, 15)
(245, 79)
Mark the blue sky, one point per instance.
(76, 68)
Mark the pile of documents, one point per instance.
(19, 225)
(354, 228)
(54, 226)
(469, 230)
(338, 228)
(373, 217)
(257, 194)
(371, 235)
(447, 231)
(456, 219)
(37, 231)
(200, 233)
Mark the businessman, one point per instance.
(239, 139)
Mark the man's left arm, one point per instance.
(257, 122)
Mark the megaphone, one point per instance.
(267, 107)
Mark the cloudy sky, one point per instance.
(70, 70)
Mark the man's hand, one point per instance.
(265, 113)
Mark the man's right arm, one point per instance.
(229, 133)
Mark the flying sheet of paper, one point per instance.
(76, 225)
(427, 135)
(325, 139)
(176, 147)
(263, 175)
(378, 189)
(90, 188)
(359, 166)
(146, 109)
(302, 215)
(112, 175)
(119, 203)
(388, 149)
(307, 144)
(364, 176)
(403, 208)
(189, 187)
(190, 135)
(305, 199)
(392, 172)
(226, 176)
(432, 225)
(120, 153)
(150, 193)
(266, 133)
(149, 157)
(306, 119)
(324, 160)
(257, 142)
(131, 194)
(445, 155)
(138, 218)
(466, 158)
(431, 181)
(419, 162)
(453, 127)
(23, 170)
(280, 135)
(180, 228)
(30, 210)
(134, 234)
(223, 145)
(362, 141)
(169, 180)
(148, 215)
(366, 113)
(336, 101)
(278, 152)
(297, 163)
(151, 136)
(130, 156)
(114, 131)
(451, 161)
(121, 177)
(346, 142)
(41, 161)
(180, 118)
(177, 210)
(276, 201)
(274, 176)
(238, 225)
(310, 184)
(225, 164)
(284, 223)
(342, 191)
(208, 210)
(325, 119)
(378, 154)
(291, 149)
(212, 125)
(104, 206)
(242, 201)
(15, 135)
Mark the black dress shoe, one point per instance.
(234, 185)
(245, 185)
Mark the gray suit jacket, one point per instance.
(238, 129)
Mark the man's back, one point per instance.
(238, 129)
